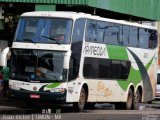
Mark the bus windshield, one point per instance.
(44, 30)
(37, 65)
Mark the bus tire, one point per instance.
(130, 100)
(128, 105)
(138, 99)
(82, 101)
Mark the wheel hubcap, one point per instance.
(129, 101)
(82, 99)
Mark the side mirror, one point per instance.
(4, 56)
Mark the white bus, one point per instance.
(69, 57)
(157, 96)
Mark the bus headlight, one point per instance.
(61, 90)
(14, 87)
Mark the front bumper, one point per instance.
(43, 96)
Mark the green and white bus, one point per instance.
(69, 57)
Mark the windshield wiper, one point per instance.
(52, 76)
(28, 40)
(53, 39)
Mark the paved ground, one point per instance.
(9, 109)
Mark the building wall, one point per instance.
(143, 8)
(148, 9)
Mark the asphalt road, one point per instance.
(16, 110)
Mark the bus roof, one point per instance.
(75, 15)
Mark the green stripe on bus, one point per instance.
(120, 53)
(117, 52)
(134, 77)
(53, 85)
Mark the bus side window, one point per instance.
(152, 39)
(103, 32)
(106, 35)
(91, 31)
(133, 37)
(143, 38)
(72, 69)
(78, 31)
(114, 34)
(125, 35)
(76, 47)
(100, 31)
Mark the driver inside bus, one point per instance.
(45, 64)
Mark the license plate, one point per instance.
(35, 96)
(157, 94)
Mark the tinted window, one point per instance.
(101, 30)
(76, 47)
(113, 34)
(44, 30)
(106, 34)
(105, 68)
(143, 38)
(91, 31)
(125, 35)
(152, 39)
(78, 31)
(37, 65)
(133, 37)
(118, 34)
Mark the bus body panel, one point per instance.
(109, 70)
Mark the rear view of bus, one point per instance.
(158, 86)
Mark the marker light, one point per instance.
(58, 90)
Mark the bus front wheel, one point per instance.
(82, 101)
